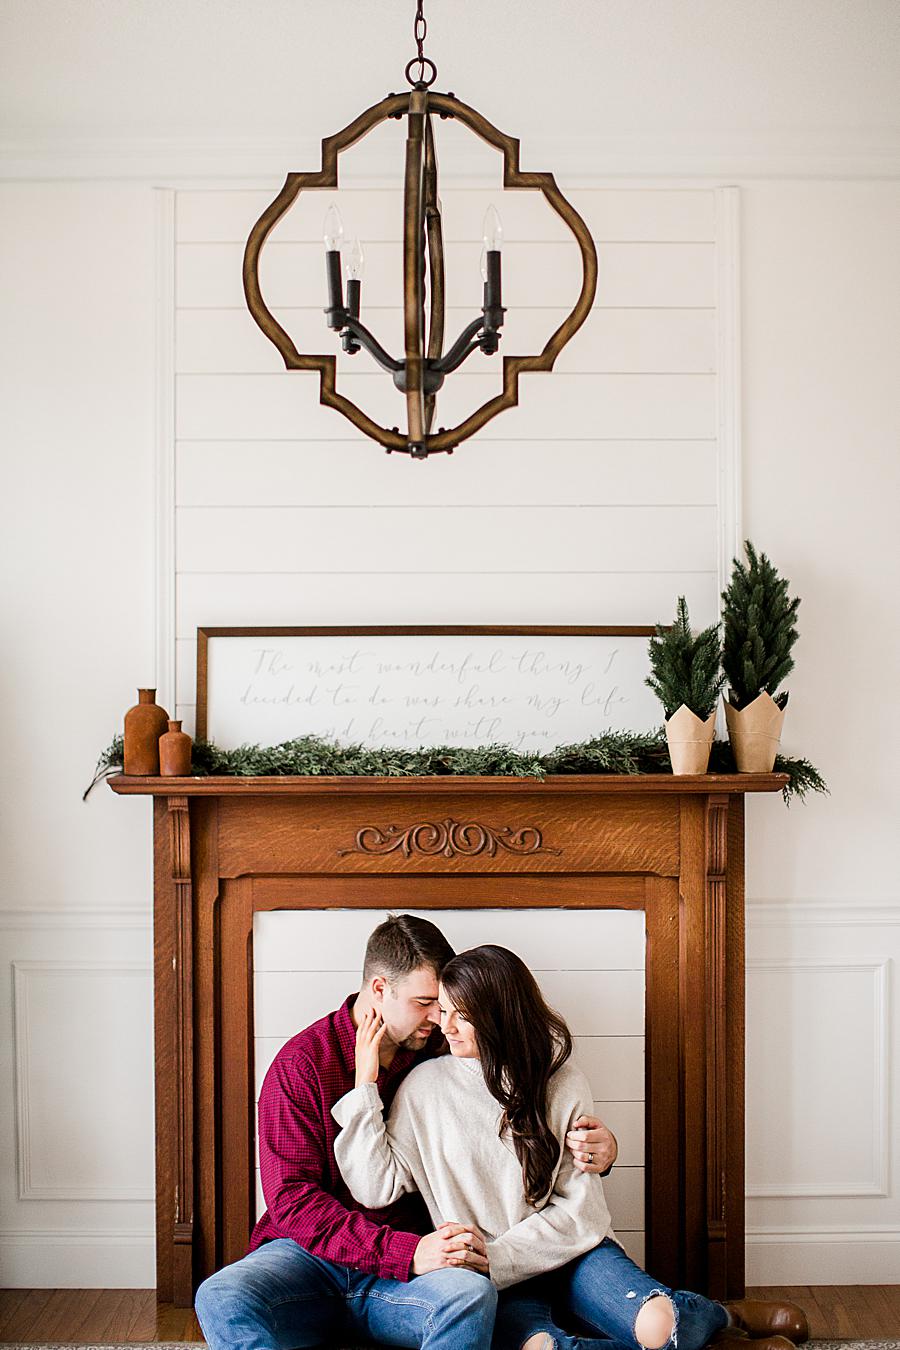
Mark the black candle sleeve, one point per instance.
(335, 308)
(493, 298)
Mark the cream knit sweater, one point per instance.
(443, 1139)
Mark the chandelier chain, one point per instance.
(420, 61)
(420, 28)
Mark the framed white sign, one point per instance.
(531, 688)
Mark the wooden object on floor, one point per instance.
(673, 847)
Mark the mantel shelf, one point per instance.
(449, 784)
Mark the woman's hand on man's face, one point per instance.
(369, 1035)
(592, 1145)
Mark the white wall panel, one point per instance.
(322, 939)
(293, 539)
(613, 999)
(637, 214)
(78, 1023)
(285, 406)
(838, 1019)
(635, 341)
(822, 1091)
(347, 473)
(326, 597)
(632, 274)
(613, 1065)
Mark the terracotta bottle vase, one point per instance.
(144, 724)
(175, 752)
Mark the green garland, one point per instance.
(616, 752)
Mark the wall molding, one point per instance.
(75, 917)
(760, 1234)
(71, 1237)
(881, 1141)
(815, 913)
(28, 1189)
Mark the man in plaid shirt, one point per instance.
(321, 1268)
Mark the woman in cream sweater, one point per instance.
(480, 1134)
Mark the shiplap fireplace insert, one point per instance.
(228, 851)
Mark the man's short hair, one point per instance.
(402, 944)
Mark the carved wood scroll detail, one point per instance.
(451, 838)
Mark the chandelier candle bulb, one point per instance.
(333, 234)
(492, 235)
(333, 230)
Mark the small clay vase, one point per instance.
(144, 724)
(175, 752)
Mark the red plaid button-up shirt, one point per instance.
(304, 1191)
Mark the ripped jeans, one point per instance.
(602, 1291)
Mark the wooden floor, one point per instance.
(110, 1316)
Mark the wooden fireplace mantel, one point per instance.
(226, 848)
(287, 786)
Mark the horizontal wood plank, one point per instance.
(594, 1003)
(534, 274)
(325, 595)
(631, 341)
(298, 940)
(285, 406)
(226, 215)
(498, 473)
(292, 539)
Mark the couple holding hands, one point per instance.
(451, 1201)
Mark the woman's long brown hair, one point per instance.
(522, 1042)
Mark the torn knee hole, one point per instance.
(654, 1325)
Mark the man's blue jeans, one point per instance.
(603, 1292)
(280, 1297)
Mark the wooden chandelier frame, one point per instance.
(422, 222)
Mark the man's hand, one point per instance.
(593, 1146)
(451, 1245)
(369, 1035)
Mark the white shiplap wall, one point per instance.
(589, 963)
(608, 492)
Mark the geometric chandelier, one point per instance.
(425, 364)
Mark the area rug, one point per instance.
(199, 1345)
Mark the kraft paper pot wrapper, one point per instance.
(690, 739)
(755, 733)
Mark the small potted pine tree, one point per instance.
(687, 680)
(760, 628)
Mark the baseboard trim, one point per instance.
(822, 1256)
(113, 1258)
